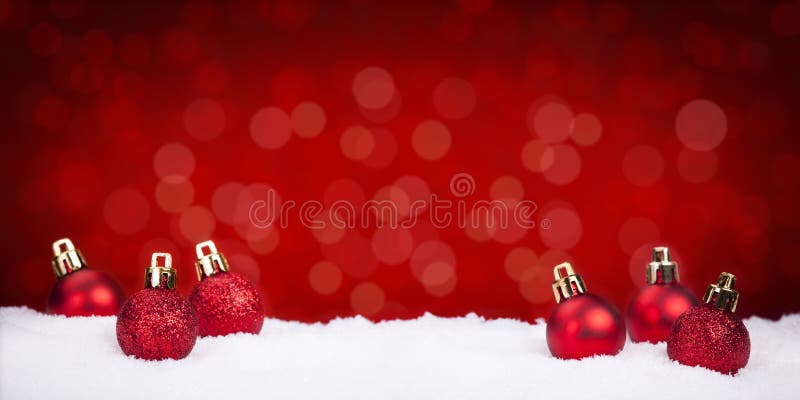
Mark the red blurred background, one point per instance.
(134, 127)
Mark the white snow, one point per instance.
(50, 357)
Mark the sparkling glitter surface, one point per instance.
(710, 338)
(584, 326)
(654, 309)
(155, 324)
(83, 293)
(227, 303)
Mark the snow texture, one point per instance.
(50, 357)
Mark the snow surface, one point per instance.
(50, 357)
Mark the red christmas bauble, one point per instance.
(653, 310)
(155, 324)
(711, 338)
(227, 303)
(583, 326)
(85, 292)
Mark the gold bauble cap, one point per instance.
(66, 258)
(209, 260)
(160, 276)
(567, 285)
(721, 294)
(662, 270)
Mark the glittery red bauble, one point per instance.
(583, 326)
(227, 303)
(711, 338)
(155, 324)
(83, 293)
(653, 310)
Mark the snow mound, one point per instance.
(49, 357)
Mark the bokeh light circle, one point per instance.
(383, 114)
(196, 224)
(126, 211)
(506, 187)
(256, 211)
(391, 195)
(246, 266)
(643, 165)
(785, 18)
(174, 160)
(265, 242)
(392, 246)
(367, 299)
(564, 229)
(586, 129)
(325, 277)
(431, 140)
(564, 166)
(204, 119)
(308, 119)
(438, 278)
(357, 143)
(518, 260)
(430, 252)
(477, 226)
(332, 226)
(454, 98)
(373, 88)
(701, 125)
(535, 284)
(174, 194)
(223, 201)
(270, 128)
(511, 231)
(537, 155)
(343, 192)
(552, 122)
(416, 192)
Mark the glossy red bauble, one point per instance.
(85, 292)
(583, 326)
(80, 291)
(653, 310)
(655, 307)
(155, 324)
(227, 303)
(711, 338)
